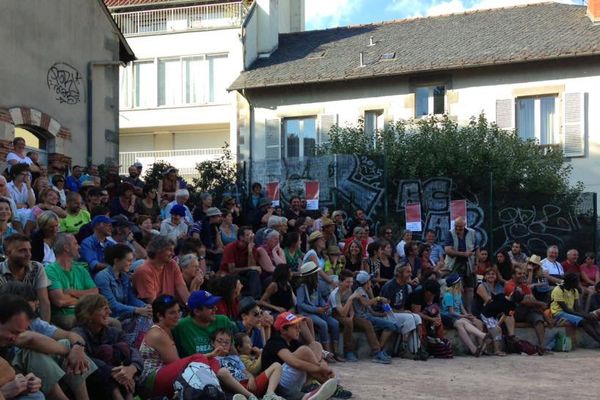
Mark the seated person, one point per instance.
(76, 215)
(240, 258)
(69, 281)
(253, 322)
(123, 234)
(192, 333)
(118, 363)
(77, 365)
(263, 385)
(175, 227)
(300, 362)
(160, 274)
(92, 247)
(565, 307)
(162, 364)
(193, 273)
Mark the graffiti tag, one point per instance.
(65, 81)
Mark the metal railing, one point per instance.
(184, 160)
(177, 19)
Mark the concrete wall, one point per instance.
(40, 34)
(470, 92)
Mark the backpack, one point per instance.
(439, 347)
(198, 382)
(562, 343)
(523, 346)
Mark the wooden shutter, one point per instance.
(273, 139)
(574, 125)
(326, 122)
(505, 114)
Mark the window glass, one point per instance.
(300, 137)
(547, 118)
(144, 84)
(421, 101)
(439, 96)
(292, 136)
(218, 79)
(169, 82)
(195, 75)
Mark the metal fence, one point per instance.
(175, 19)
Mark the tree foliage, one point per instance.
(218, 177)
(438, 146)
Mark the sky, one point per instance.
(321, 14)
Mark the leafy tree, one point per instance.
(219, 177)
(155, 173)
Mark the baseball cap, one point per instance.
(178, 209)
(202, 298)
(362, 277)
(246, 304)
(286, 318)
(137, 164)
(101, 219)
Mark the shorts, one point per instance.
(572, 319)
(262, 383)
(526, 314)
(291, 382)
(382, 323)
(448, 320)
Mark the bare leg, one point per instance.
(385, 336)
(56, 393)
(468, 296)
(464, 336)
(474, 330)
(313, 354)
(230, 383)
(540, 332)
(591, 329)
(509, 322)
(305, 332)
(274, 375)
(80, 392)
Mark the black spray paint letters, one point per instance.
(65, 81)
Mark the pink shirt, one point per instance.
(150, 282)
(591, 271)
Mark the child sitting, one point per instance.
(263, 385)
(249, 355)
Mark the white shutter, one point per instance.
(505, 114)
(574, 125)
(326, 122)
(273, 139)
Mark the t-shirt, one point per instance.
(361, 310)
(77, 278)
(452, 300)
(562, 295)
(234, 365)
(591, 272)
(510, 286)
(256, 336)
(72, 223)
(397, 294)
(234, 254)
(337, 299)
(553, 267)
(275, 344)
(149, 282)
(192, 338)
(570, 268)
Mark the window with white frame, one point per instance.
(300, 137)
(430, 100)
(187, 80)
(373, 123)
(536, 118)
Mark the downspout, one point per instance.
(89, 119)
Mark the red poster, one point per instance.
(273, 192)
(458, 208)
(413, 217)
(311, 189)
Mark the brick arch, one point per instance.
(32, 117)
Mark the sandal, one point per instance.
(329, 357)
(484, 343)
(500, 354)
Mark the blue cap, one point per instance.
(101, 219)
(202, 298)
(452, 279)
(178, 209)
(362, 277)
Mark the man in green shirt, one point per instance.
(69, 280)
(192, 333)
(76, 217)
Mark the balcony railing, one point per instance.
(178, 19)
(184, 160)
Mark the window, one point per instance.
(536, 119)
(145, 79)
(218, 79)
(430, 100)
(373, 123)
(195, 80)
(300, 137)
(169, 82)
(124, 87)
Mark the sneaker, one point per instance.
(239, 397)
(351, 357)
(323, 392)
(272, 396)
(385, 355)
(381, 359)
(253, 397)
(341, 393)
(310, 386)
(421, 355)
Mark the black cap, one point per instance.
(247, 304)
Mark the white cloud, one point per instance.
(447, 7)
(329, 13)
(483, 4)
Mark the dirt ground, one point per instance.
(571, 375)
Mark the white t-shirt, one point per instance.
(20, 160)
(19, 195)
(553, 267)
(400, 248)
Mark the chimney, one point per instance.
(593, 10)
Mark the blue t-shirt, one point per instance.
(255, 336)
(235, 366)
(452, 300)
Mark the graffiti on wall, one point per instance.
(435, 195)
(64, 81)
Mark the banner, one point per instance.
(311, 188)
(273, 192)
(413, 217)
(458, 208)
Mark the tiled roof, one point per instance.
(478, 38)
(134, 3)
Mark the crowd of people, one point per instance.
(112, 288)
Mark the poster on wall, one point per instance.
(311, 188)
(458, 208)
(273, 192)
(413, 217)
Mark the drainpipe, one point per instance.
(89, 119)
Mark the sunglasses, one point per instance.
(168, 299)
(257, 313)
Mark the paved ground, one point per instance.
(560, 375)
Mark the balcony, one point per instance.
(181, 19)
(184, 160)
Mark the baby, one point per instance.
(263, 385)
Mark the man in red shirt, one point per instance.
(239, 258)
(571, 264)
(529, 310)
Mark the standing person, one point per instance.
(92, 247)
(554, 270)
(454, 315)
(252, 205)
(397, 292)
(240, 258)
(460, 248)
(517, 256)
(18, 266)
(341, 300)
(76, 216)
(160, 274)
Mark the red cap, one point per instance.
(286, 318)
